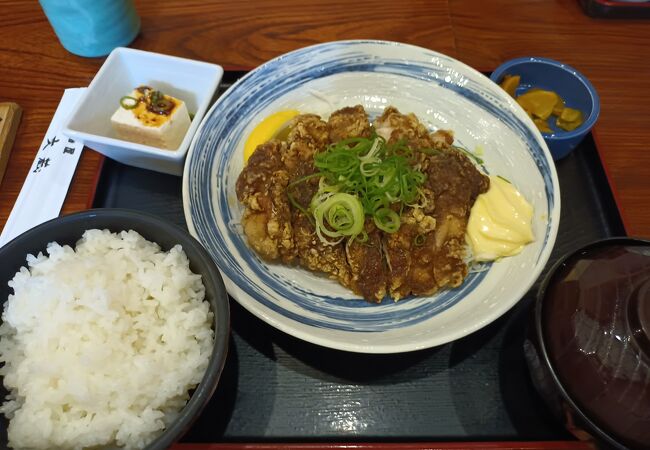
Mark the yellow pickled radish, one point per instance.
(571, 115)
(559, 106)
(567, 126)
(542, 125)
(510, 84)
(570, 119)
(267, 130)
(539, 103)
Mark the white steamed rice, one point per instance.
(101, 344)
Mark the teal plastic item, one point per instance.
(92, 28)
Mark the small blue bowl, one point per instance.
(571, 85)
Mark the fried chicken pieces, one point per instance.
(425, 255)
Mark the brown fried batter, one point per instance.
(308, 135)
(395, 126)
(426, 254)
(409, 255)
(316, 256)
(367, 268)
(455, 183)
(348, 122)
(369, 273)
(262, 188)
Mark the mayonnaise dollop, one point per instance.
(500, 222)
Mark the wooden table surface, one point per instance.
(614, 54)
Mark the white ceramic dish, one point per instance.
(194, 82)
(443, 93)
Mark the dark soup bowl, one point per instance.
(588, 347)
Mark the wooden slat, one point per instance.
(10, 114)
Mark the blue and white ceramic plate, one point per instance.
(443, 93)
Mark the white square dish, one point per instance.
(194, 82)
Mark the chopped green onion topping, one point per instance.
(155, 97)
(337, 215)
(387, 220)
(377, 173)
(128, 102)
(361, 177)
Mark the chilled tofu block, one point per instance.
(149, 117)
